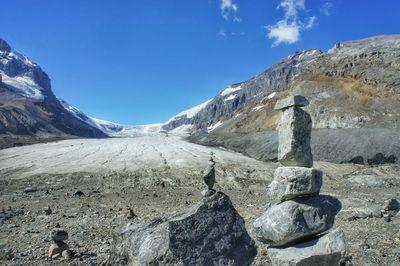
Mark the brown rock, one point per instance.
(56, 249)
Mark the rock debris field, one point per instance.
(90, 189)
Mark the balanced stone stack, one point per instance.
(292, 228)
(210, 232)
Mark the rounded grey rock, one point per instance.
(295, 220)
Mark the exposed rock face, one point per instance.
(292, 182)
(295, 220)
(28, 105)
(210, 233)
(294, 138)
(350, 75)
(354, 87)
(325, 251)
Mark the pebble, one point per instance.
(59, 235)
(130, 214)
(30, 189)
(67, 254)
(78, 193)
(47, 210)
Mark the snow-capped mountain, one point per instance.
(29, 111)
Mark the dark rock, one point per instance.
(209, 233)
(379, 158)
(47, 210)
(391, 205)
(78, 193)
(357, 160)
(59, 235)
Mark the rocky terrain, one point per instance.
(95, 187)
(354, 92)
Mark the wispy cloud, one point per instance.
(326, 8)
(288, 29)
(222, 33)
(229, 9)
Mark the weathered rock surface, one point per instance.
(294, 138)
(291, 182)
(295, 220)
(297, 100)
(325, 251)
(209, 233)
(59, 235)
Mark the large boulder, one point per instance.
(327, 250)
(292, 182)
(294, 138)
(296, 220)
(209, 233)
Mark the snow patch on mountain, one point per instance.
(190, 112)
(231, 90)
(230, 97)
(24, 86)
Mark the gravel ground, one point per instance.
(151, 185)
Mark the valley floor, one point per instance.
(159, 173)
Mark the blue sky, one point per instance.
(142, 61)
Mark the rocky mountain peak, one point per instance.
(4, 46)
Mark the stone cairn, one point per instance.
(59, 247)
(292, 228)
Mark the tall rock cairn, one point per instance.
(292, 229)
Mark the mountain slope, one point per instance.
(355, 85)
(29, 111)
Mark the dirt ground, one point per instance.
(91, 219)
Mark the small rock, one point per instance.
(59, 235)
(78, 193)
(56, 249)
(47, 210)
(30, 189)
(391, 205)
(388, 218)
(130, 214)
(67, 254)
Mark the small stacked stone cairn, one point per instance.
(292, 228)
(209, 178)
(211, 232)
(59, 247)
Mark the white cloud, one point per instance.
(222, 33)
(288, 29)
(326, 8)
(229, 9)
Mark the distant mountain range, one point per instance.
(354, 90)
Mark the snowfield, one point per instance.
(116, 154)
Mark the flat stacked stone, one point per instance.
(302, 213)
